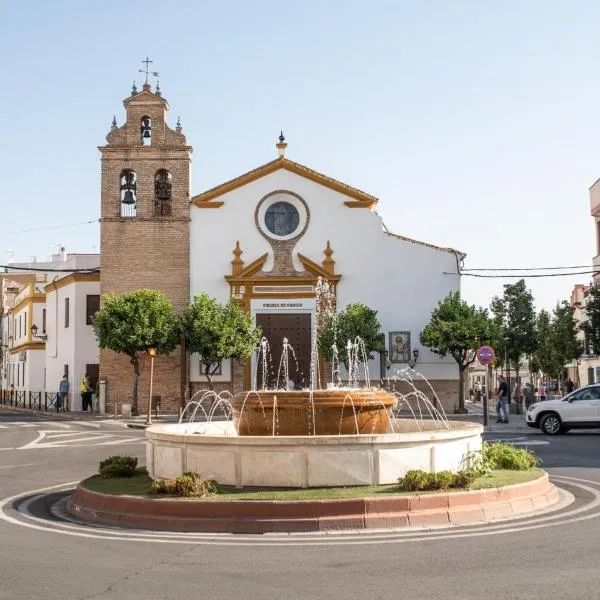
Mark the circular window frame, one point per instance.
(282, 196)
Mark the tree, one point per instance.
(564, 334)
(218, 332)
(515, 315)
(135, 322)
(545, 354)
(458, 329)
(591, 325)
(356, 320)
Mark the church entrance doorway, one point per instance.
(296, 327)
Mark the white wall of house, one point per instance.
(74, 345)
(402, 280)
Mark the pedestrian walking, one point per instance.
(570, 386)
(86, 394)
(528, 394)
(63, 393)
(502, 401)
(543, 392)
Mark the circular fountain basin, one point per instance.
(307, 461)
(320, 412)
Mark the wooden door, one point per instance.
(296, 328)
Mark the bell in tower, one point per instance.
(146, 131)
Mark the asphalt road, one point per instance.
(551, 557)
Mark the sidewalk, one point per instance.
(475, 413)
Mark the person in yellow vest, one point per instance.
(86, 394)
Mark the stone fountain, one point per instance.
(339, 436)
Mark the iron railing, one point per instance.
(37, 400)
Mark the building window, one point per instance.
(162, 193)
(128, 193)
(25, 324)
(43, 320)
(92, 306)
(66, 371)
(282, 218)
(67, 312)
(146, 131)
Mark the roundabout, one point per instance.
(45, 510)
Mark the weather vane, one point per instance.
(146, 71)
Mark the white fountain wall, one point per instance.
(304, 461)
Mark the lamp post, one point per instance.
(507, 363)
(151, 354)
(34, 333)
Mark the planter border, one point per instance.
(261, 516)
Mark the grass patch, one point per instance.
(140, 485)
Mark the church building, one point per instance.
(264, 238)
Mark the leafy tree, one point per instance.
(457, 328)
(546, 354)
(218, 332)
(564, 335)
(515, 316)
(355, 320)
(135, 322)
(591, 325)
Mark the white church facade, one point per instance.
(271, 232)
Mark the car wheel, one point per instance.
(551, 424)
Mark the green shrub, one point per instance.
(442, 480)
(414, 481)
(421, 481)
(465, 478)
(118, 466)
(505, 456)
(188, 485)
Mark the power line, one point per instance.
(46, 270)
(483, 276)
(531, 268)
(48, 227)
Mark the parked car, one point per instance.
(578, 410)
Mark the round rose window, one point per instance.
(282, 218)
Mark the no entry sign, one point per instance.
(485, 355)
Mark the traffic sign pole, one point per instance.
(487, 396)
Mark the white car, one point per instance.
(578, 410)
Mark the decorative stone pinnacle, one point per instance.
(178, 126)
(328, 262)
(133, 89)
(237, 264)
(281, 146)
(114, 122)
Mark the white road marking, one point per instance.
(52, 439)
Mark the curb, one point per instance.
(256, 517)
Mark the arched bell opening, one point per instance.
(128, 203)
(146, 131)
(162, 193)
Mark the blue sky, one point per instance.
(475, 122)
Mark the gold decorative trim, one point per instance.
(210, 204)
(27, 346)
(359, 204)
(283, 163)
(73, 278)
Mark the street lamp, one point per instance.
(151, 354)
(34, 333)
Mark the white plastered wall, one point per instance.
(402, 280)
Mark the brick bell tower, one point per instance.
(144, 234)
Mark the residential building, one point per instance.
(45, 324)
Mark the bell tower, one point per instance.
(144, 231)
